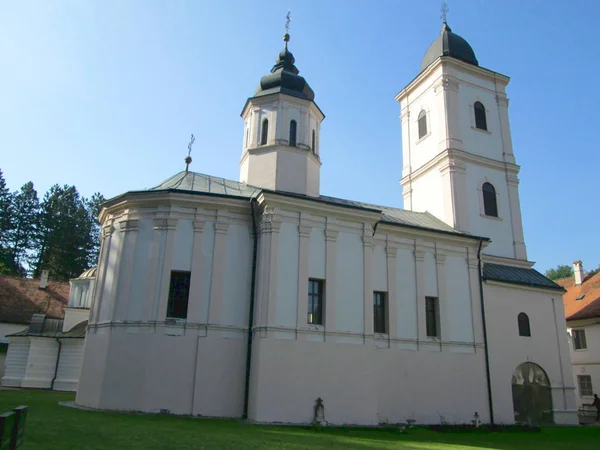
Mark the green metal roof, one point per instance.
(197, 183)
(517, 275)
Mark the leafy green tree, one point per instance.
(562, 271)
(93, 205)
(5, 211)
(25, 208)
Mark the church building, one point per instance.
(263, 298)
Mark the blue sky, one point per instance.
(104, 94)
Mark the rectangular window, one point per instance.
(315, 302)
(432, 317)
(585, 385)
(179, 292)
(579, 340)
(379, 312)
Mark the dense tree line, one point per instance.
(60, 233)
(565, 271)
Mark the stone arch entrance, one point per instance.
(532, 399)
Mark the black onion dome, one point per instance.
(449, 44)
(284, 79)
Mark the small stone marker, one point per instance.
(19, 428)
(7, 421)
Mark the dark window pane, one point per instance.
(579, 342)
(524, 329)
(293, 133)
(379, 313)
(314, 142)
(490, 205)
(431, 317)
(480, 119)
(422, 124)
(265, 132)
(179, 291)
(315, 302)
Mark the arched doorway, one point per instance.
(532, 399)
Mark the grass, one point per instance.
(51, 426)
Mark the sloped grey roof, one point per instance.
(517, 275)
(78, 331)
(449, 44)
(197, 183)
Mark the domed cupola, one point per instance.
(284, 78)
(449, 44)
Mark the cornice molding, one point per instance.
(129, 225)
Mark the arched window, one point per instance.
(490, 205)
(422, 124)
(264, 132)
(293, 127)
(524, 329)
(480, 120)
(314, 142)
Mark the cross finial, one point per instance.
(188, 158)
(444, 12)
(286, 36)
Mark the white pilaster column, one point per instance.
(196, 302)
(472, 264)
(129, 230)
(451, 136)
(278, 125)
(507, 146)
(392, 306)
(330, 275)
(101, 272)
(275, 226)
(168, 226)
(454, 189)
(368, 288)
(420, 274)
(304, 232)
(515, 215)
(440, 259)
(218, 269)
(112, 291)
(154, 270)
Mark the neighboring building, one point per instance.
(385, 314)
(582, 310)
(20, 298)
(48, 353)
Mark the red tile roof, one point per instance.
(20, 298)
(587, 307)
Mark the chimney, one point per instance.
(44, 279)
(578, 271)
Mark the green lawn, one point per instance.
(51, 426)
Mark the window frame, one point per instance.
(422, 121)
(522, 322)
(293, 136)
(479, 107)
(432, 318)
(490, 200)
(380, 311)
(588, 385)
(172, 295)
(319, 295)
(264, 132)
(580, 332)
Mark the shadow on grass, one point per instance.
(51, 426)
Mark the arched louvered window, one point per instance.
(293, 127)
(422, 124)
(314, 142)
(524, 329)
(264, 134)
(490, 205)
(480, 119)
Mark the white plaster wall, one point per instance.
(379, 264)
(316, 254)
(207, 249)
(73, 316)
(428, 195)
(287, 280)
(291, 172)
(109, 287)
(430, 275)
(16, 362)
(546, 347)
(10, 328)
(259, 170)
(236, 289)
(182, 248)
(41, 363)
(406, 294)
(459, 313)
(141, 263)
(586, 362)
(69, 365)
(349, 298)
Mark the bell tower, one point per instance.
(458, 161)
(282, 126)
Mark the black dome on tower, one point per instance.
(449, 44)
(284, 78)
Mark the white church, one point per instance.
(262, 298)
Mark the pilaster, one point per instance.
(515, 214)
(474, 289)
(368, 286)
(168, 226)
(107, 231)
(304, 232)
(330, 275)
(446, 90)
(420, 275)
(392, 306)
(196, 302)
(129, 229)
(507, 147)
(218, 269)
(440, 259)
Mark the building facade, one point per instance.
(263, 298)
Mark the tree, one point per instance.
(562, 271)
(25, 208)
(5, 211)
(93, 205)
